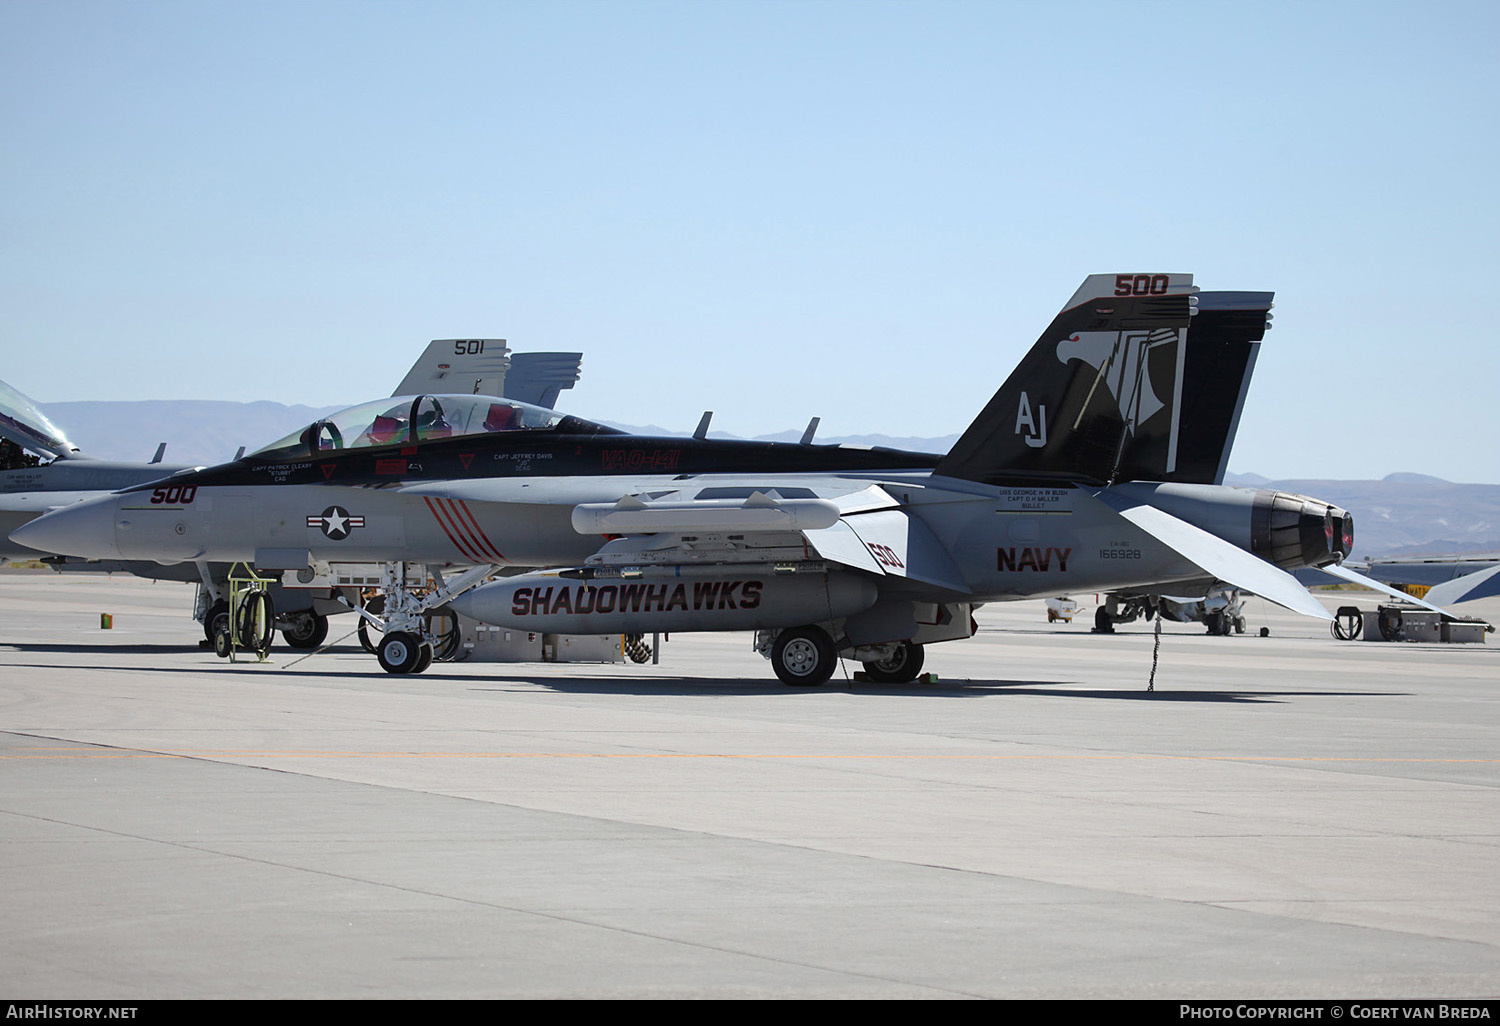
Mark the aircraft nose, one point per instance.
(83, 529)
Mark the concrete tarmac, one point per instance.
(1282, 817)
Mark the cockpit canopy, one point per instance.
(24, 425)
(407, 420)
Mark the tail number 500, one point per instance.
(174, 495)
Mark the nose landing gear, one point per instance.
(414, 628)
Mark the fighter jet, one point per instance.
(40, 469)
(1449, 579)
(1065, 482)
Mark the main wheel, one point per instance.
(307, 631)
(1102, 624)
(804, 657)
(903, 667)
(400, 652)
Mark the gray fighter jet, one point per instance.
(1077, 476)
(1449, 579)
(41, 469)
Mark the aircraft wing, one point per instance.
(1228, 563)
(860, 527)
(1480, 584)
(847, 494)
(891, 543)
(851, 522)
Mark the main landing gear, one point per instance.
(305, 629)
(805, 657)
(301, 628)
(902, 666)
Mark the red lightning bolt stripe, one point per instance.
(472, 542)
(466, 514)
(463, 521)
(438, 514)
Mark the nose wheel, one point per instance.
(410, 623)
(404, 652)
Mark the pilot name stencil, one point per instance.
(1034, 500)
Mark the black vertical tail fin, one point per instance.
(1223, 341)
(1103, 379)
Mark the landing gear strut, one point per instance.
(414, 630)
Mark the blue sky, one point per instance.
(864, 211)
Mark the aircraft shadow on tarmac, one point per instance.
(674, 685)
(686, 686)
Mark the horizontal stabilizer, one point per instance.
(1374, 585)
(1229, 563)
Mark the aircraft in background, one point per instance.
(40, 469)
(1448, 579)
(1221, 610)
(1063, 483)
